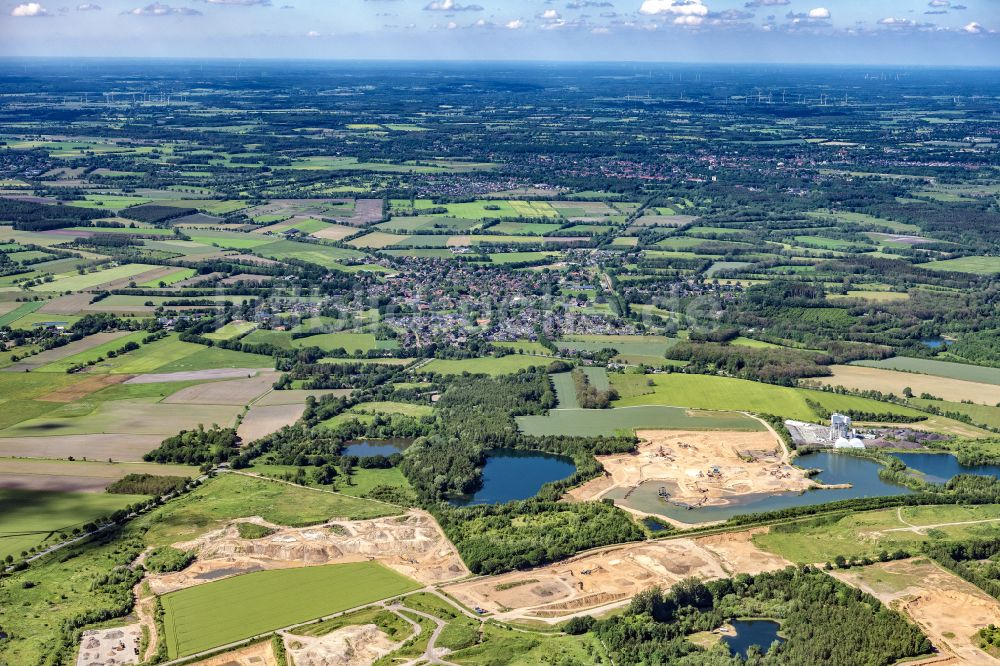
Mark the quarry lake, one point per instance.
(375, 447)
(511, 475)
(861, 473)
(752, 632)
(941, 467)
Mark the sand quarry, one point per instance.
(947, 609)
(358, 645)
(611, 576)
(703, 468)
(412, 544)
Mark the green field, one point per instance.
(723, 393)
(231, 330)
(864, 534)
(177, 276)
(489, 365)
(29, 518)
(19, 312)
(969, 373)
(75, 282)
(607, 422)
(230, 496)
(205, 616)
(93, 353)
(974, 265)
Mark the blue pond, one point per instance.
(936, 343)
(940, 467)
(381, 447)
(511, 475)
(752, 632)
(861, 473)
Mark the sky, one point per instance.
(898, 32)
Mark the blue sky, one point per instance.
(925, 32)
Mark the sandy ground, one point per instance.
(83, 388)
(947, 609)
(261, 421)
(259, 654)
(126, 448)
(193, 375)
(50, 355)
(612, 576)
(229, 392)
(349, 646)
(104, 647)
(412, 544)
(704, 468)
(893, 381)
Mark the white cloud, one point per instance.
(312, 34)
(549, 15)
(974, 28)
(890, 20)
(689, 20)
(677, 7)
(88, 7)
(451, 6)
(160, 9)
(819, 13)
(241, 3)
(29, 9)
(516, 24)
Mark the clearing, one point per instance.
(947, 609)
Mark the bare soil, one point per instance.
(58, 353)
(81, 389)
(412, 544)
(703, 468)
(612, 576)
(195, 375)
(358, 645)
(261, 420)
(230, 392)
(947, 609)
(125, 448)
(259, 654)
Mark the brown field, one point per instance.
(82, 389)
(947, 609)
(230, 392)
(611, 576)
(703, 468)
(263, 420)
(76, 476)
(259, 654)
(148, 276)
(125, 448)
(335, 233)
(194, 375)
(298, 396)
(50, 355)
(892, 381)
(412, 544)
(69, 304)
(939, 424)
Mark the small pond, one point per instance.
(936, 343)
(752, 632)
(375, 447)
(511, 475)
(941, 467)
